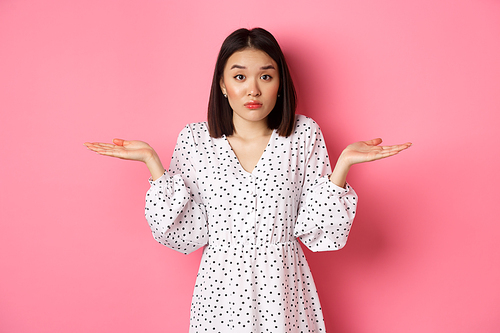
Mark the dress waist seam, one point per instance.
(251, 245)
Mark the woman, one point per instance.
(245, 186)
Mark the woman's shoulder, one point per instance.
(193, 134)
(201, 126)
(305, 124)
(197, 130)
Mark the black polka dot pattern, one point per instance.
(253, 275)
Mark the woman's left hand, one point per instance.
(366, 151)
(359, 152)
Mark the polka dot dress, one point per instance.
(253, 275)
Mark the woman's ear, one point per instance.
(222, 86)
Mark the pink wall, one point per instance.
(76, 251)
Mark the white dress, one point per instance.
(253, 275)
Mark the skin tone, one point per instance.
(251, 83)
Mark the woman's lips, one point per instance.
(253, 105)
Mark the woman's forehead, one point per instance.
(250, 58)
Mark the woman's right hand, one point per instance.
(127, 150)
(130, 150)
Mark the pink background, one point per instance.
(76, 254)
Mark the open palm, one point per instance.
(366, 151)
(127, 150)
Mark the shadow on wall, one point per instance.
(368, 246)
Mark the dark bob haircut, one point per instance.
(220, 114)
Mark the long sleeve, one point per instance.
(174, 210)
(326, 211)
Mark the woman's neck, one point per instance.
(248, 130)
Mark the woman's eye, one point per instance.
(266, 77)
(239, 77)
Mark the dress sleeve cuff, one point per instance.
(333, 188)
(160, 181)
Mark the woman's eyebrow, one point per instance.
(238, 66)
(243, 67)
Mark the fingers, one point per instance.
(120, 142)
(374, 142)
(102, 148)
(98, 145)
(388, 151)
(378, 141)
(399, 147)
(116, 142)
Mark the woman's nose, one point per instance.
(253, 89)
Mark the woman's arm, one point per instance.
(176, 216)
(130, 150)
(360, 152)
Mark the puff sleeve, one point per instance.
(326, 211)
(174, 210)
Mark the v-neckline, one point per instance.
(231, 152)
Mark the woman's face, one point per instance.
(251, 83)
